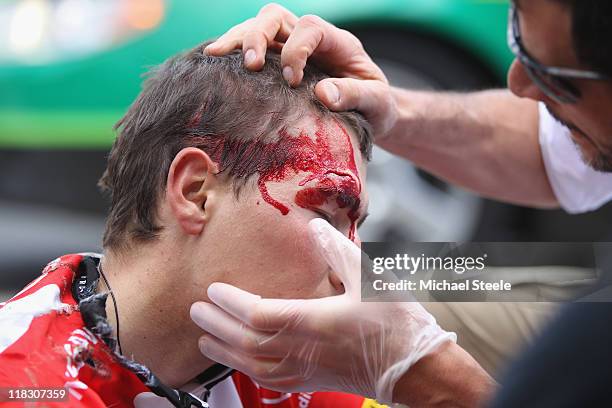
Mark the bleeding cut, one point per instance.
(333, 177)
(274, 161)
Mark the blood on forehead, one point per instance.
(331, 168)
(334, 176)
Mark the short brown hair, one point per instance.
(193, 100)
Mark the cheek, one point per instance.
(273, 255)
(292, 269)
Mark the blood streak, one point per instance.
(333, 177)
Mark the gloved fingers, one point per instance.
(272, 373)
(340, 253)
(241, 337)
(217, 350)
(258, 313)
(291, 383)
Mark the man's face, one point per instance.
(260, 241)
(546, 29)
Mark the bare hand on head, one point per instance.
(358, 82)
(337, 343)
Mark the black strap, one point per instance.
(214, 375)
(86, 279)
(178, 398)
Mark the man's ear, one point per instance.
(190, 180)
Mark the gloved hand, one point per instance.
(331, 344)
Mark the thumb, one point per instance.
(372, 98)
(341, 254)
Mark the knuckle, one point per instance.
(272, 8)
(355, 41)
(349, 89)
(256, 318)
(249, 345)
(310, 20)
(302, 52)
(249, 22)
(254, 35)
(237, 29)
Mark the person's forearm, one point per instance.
(486, 142)
(449, 377)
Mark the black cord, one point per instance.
(114, 304)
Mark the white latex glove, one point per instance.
(331, 344)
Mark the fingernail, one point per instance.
(249, 57)
(288, 74)
(332, 92)
(195, 309)
(202, 343)
(211, 292)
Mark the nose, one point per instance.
(521, 85)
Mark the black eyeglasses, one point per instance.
(553, 81)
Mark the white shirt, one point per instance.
(577, 186)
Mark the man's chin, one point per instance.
(592, 157)
(598, 162)
(602, 164)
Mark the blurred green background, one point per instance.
(62, 89)
(70, 68)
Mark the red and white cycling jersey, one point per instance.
(44, 343)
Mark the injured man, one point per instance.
(214, 176)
